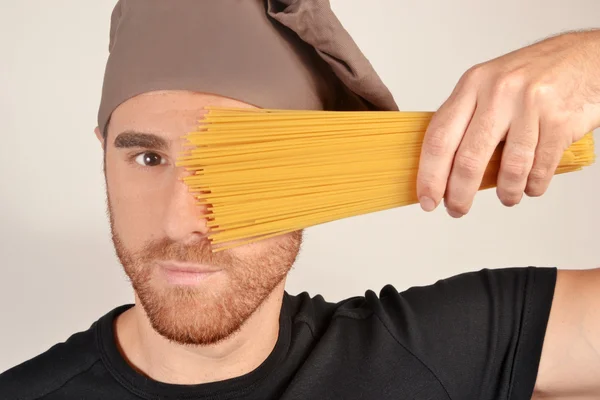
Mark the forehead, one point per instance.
(170, 112)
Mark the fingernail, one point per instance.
(427, 204)
(454, 214)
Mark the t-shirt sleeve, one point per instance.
(480, 333)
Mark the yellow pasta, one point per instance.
(260, 173)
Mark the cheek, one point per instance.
(278, 249)
(135, 206)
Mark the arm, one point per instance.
(570, 361)
(539, 100)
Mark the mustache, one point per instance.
(199, 252)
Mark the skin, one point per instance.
(539, 99)
(220, 326)
(570, 363)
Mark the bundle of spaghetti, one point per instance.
(260, 173)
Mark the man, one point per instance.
(220, 325)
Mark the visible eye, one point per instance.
(149, 159)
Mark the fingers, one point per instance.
(441, 140)
(548, 153)
(518, 157)
(486, 107)
(486, 130)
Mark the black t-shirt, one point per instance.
(475, 336)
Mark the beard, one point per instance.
(207, 314)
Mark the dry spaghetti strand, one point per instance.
(260, 173)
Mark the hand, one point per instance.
(539, 99)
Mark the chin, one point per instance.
(203, 314)
(192, 315)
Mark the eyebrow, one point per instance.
(129, 139)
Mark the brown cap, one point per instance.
(290, 54)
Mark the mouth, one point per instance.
(185, 274)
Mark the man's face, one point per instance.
(189, 294)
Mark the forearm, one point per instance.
(570, 363)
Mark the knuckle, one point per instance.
(510, 82)
(539, 174)
(537, 92)
(515, 166)
(514, 171)
(473, 75)
(467, 164)
(436, 143)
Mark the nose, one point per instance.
(183, 217)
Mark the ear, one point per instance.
(99, 136)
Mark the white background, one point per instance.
(58, 269)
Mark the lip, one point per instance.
(178, 273)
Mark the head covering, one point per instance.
(289, 54)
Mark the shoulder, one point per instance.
(48, 371)
(473, 287)
(468, 294)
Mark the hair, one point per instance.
(105, 136)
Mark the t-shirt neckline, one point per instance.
(148, 388)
